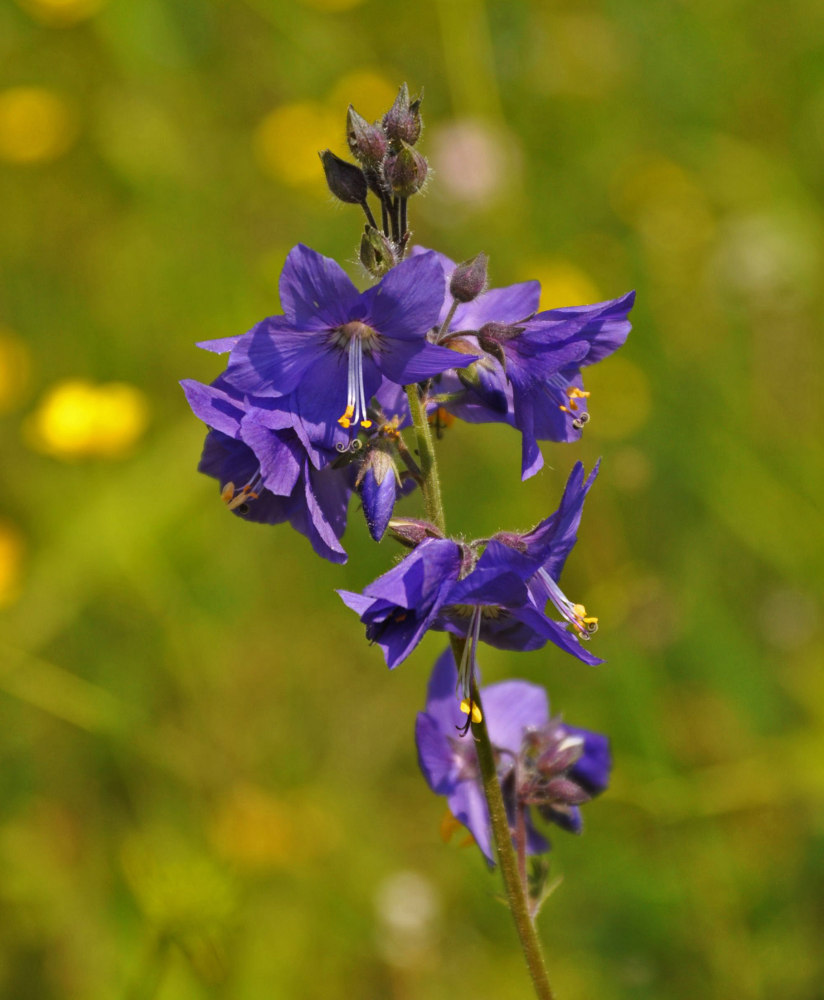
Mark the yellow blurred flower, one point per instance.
(368, 90)
(36, 125)
(61, 13)
(620, 401)
(77, 419)
(254, 830)
(563, 284)
(11, 562)
(15, 366)
(289, 138)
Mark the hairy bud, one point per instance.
(367, 142)
(402, 121)
(406, 171)
(377, 252)
(411, 531)
(345, 180)
(469, 279)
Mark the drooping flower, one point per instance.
(333, 347)
(264, 470)
(493, 590)
(529, 370)
(555, 537)
(541, 762)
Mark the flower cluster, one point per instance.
(317, 402)
(541, 762)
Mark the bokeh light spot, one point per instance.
(621, 400)
(77, 419)
(371, 93)
(15, 367)
(11, 562)
(61, 13)
(564, 284)
(474, 160)
(289, 138)
(36, 125)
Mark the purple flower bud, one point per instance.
(564, 792)
(345, 180)
(492, 335)
(377, 484)
(367, 142)
(402, 121)
(468, 279)
(406, 171)
(377, 253)
(411, 531)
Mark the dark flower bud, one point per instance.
(377, 253)
(406, 171)
(345, 180)
(402, 121)
(367, 142)
(469, 279)
(411, 531)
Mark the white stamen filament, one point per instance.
(575, 614)
(466, 668)
(355, 412)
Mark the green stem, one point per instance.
(431, 486)
(515, 888)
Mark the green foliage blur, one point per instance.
(208, 785)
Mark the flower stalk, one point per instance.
(514, 887)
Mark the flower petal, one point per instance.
(406, 303)
(315, 291)
(512, 707)
(406, 362)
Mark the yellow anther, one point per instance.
(470, 708)
(580, 610)
(366, 423)
(346, 419)
(572, 394)
(233, 499)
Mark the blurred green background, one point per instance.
(208, 784)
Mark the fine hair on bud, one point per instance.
(406, 171)
(377, 252)
(368, 143)
(403, 122)
(469, 279)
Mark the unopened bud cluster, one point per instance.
(390, 168)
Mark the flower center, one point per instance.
(576, 614)
(238, 499)
(355, 338)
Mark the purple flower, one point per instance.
(529, 370)
(494, 590)
(333, 347)
(264, 470)
(555, 537)
(540, 761)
